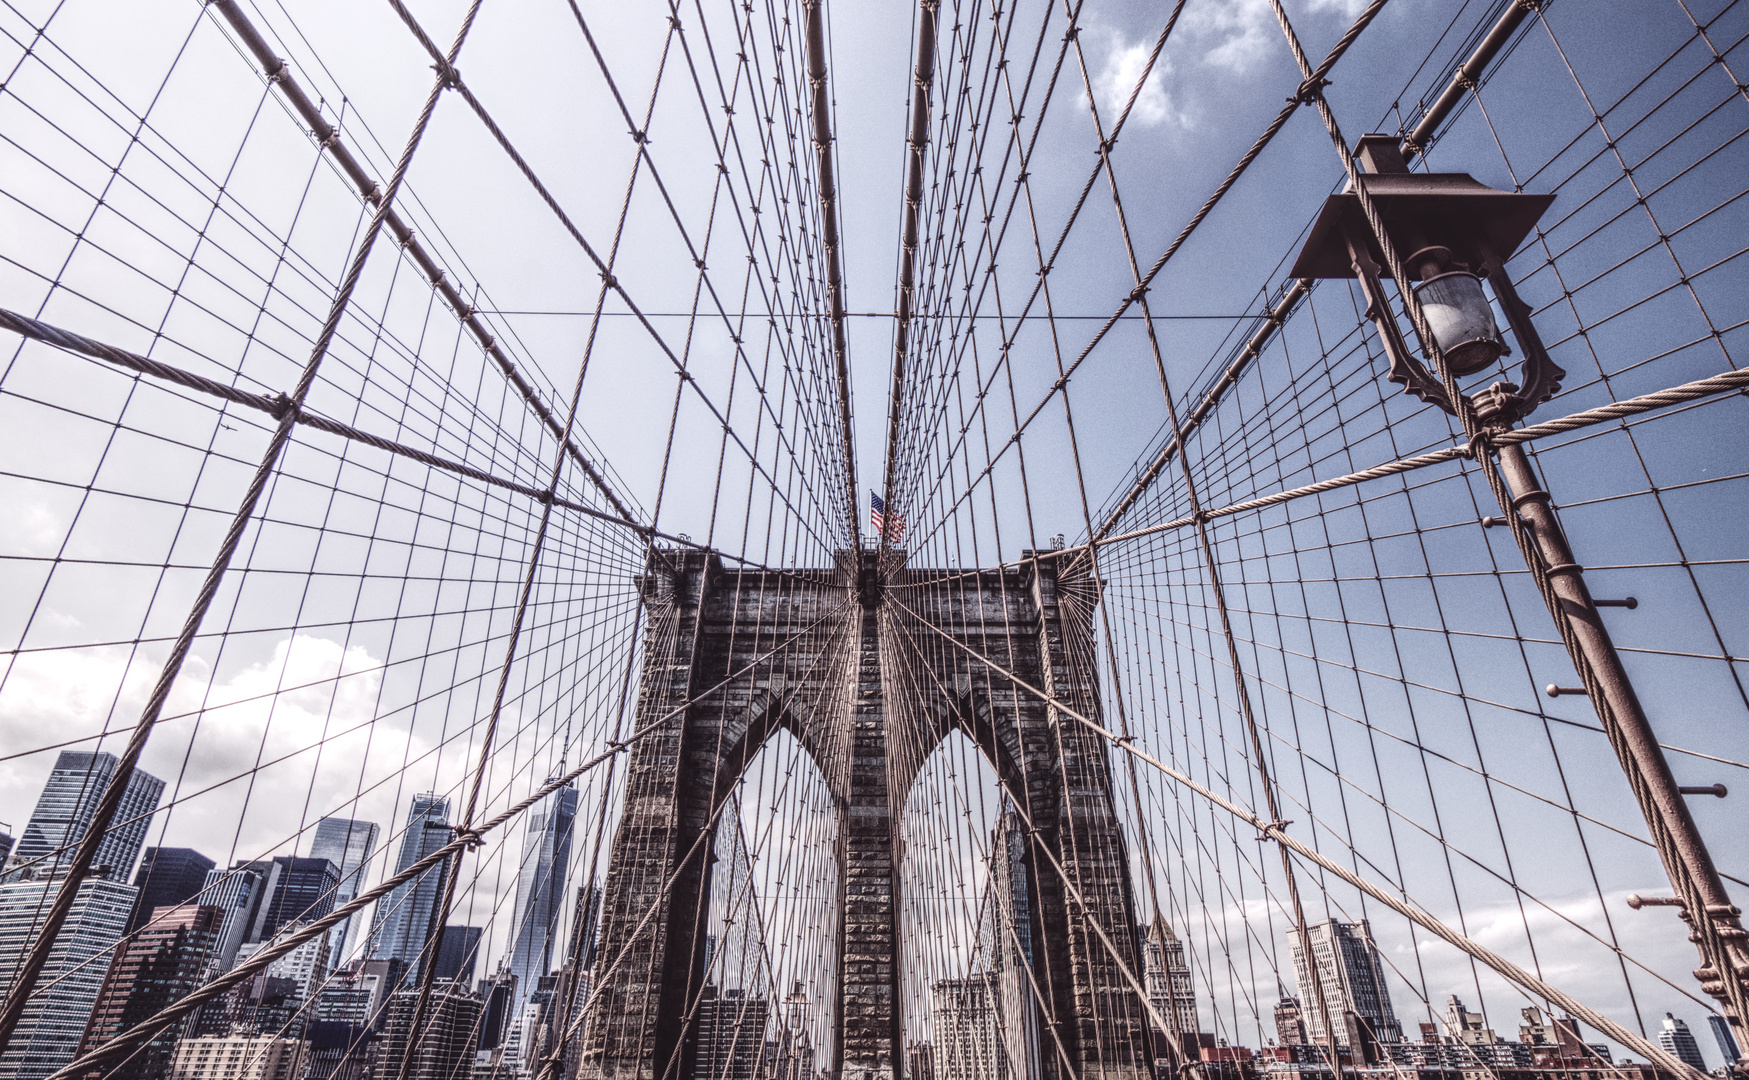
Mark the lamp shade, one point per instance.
(1462, 322)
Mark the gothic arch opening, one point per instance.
(965, 927)
(772, 916)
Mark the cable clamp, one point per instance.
(448, 75)
(283, 404)
(1310, 90)
(280, 73)
(1273, 828)
(609, 280)
(470, 838)
(1137, 293)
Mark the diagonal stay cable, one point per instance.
(1184, 234)
(453, 78)
(278, 71)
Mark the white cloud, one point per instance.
(1124, 68)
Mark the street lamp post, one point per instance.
(1458, 232)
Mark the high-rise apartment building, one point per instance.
(349, 845)
(1166, 976)
(167, 878)
(540, 885)
(1352, 980)
(167, 960)
(444, 1047)
(968, 1035)
(63, 813)
(403, 917)
(60, 1007)
(1675, 1037)
(260, 1005)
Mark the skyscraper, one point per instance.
(59, 1008)
(1675, 1037)
(540, 886)
(402, 918)
(458, 951)
(1352, 978)
(349, 845)
(54, 1020)
(238, 893)
(1166, 976)
(167, 878)
(307, 965)
(303, 891)
(163, 964)
(1008, 919)
(63, 813)
(1722, 1034)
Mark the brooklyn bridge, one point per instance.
(955, 540)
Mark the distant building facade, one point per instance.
(540, 885)
(1345, 966)
(167, 878)
(238, 1057)
(403, 917)
(444, 1048)
(1675, 1037)
(54, 1021)
(458, 953)
(163, 964)
(730, 1034)
(349, 845)
(1166, 976)
(968, 1036)
(64, 811)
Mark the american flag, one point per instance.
(891, 529)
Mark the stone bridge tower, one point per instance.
(870, 665)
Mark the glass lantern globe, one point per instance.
(1462, 322)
